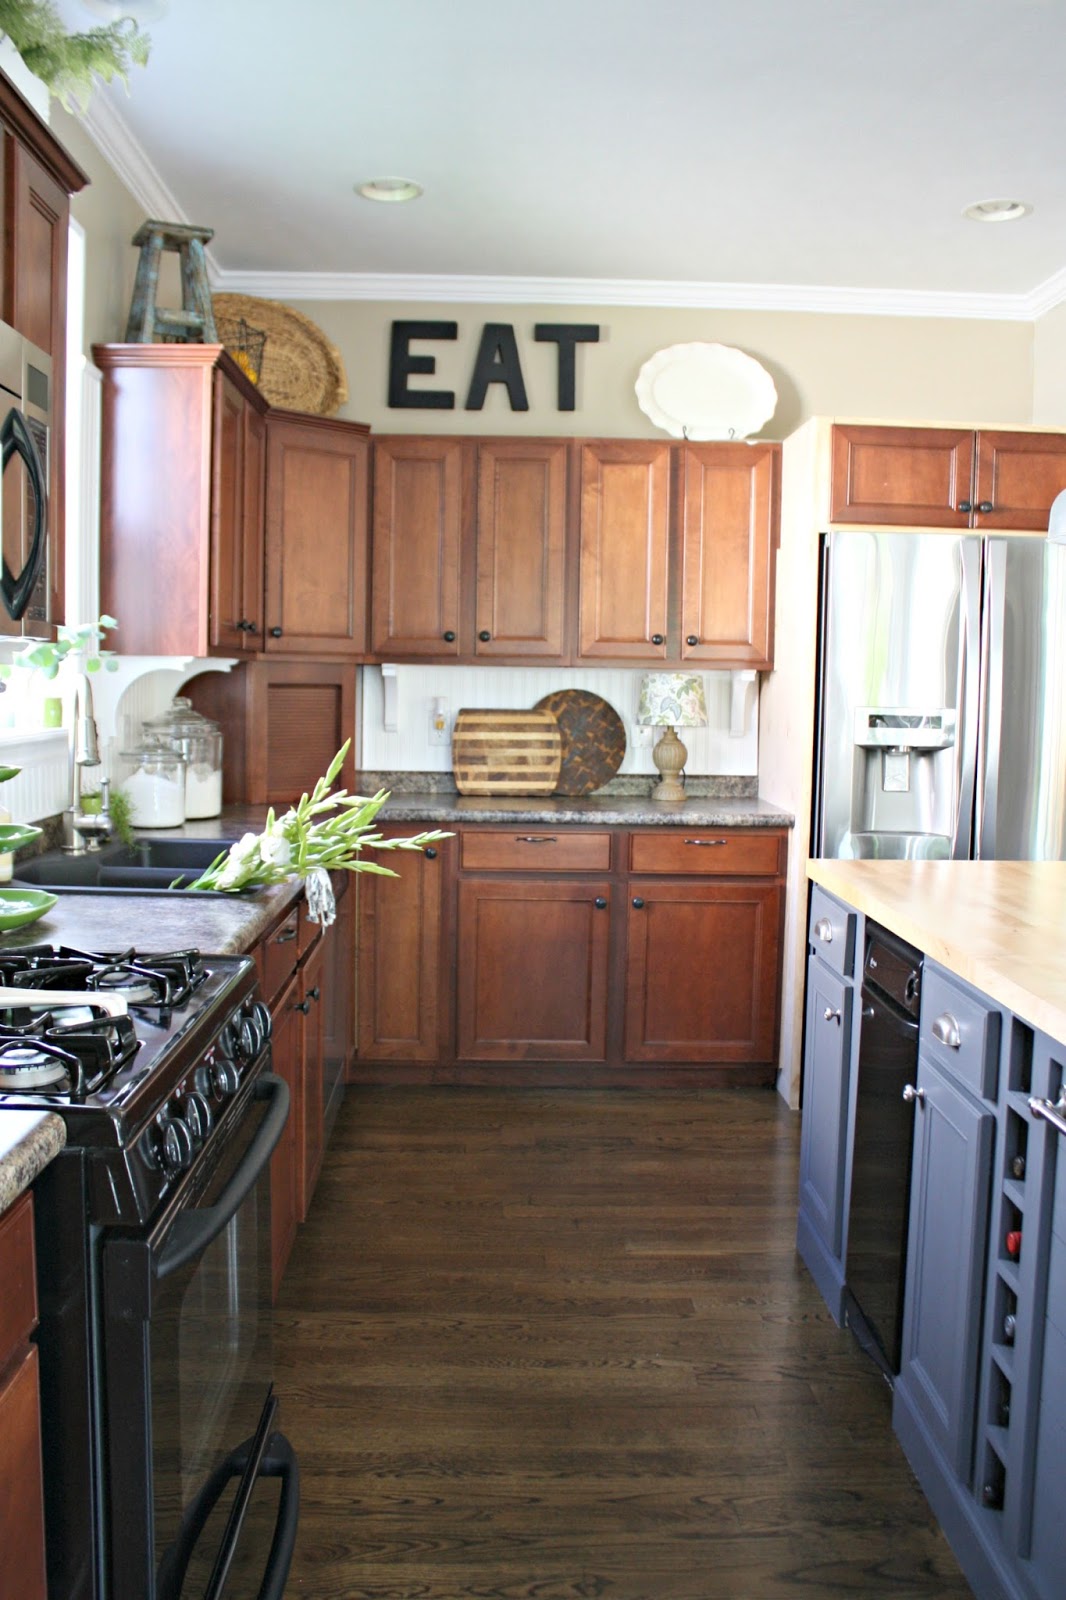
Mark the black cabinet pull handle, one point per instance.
(449, 636)
(600, 903)
(275, 633)
(536, 838)
(657, 638)
(253, 627)
(431, 854)
(484, 636)
(692, 639)
(707, 844)
(986, 506)
(285, 936)
(964, 505)
(243, 625)
(638, 903)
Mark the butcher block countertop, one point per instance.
(1000, 925)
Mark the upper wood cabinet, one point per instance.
(685, 575)
(624, 533)
(470, 548)
(317, 507)
(946, 478)
(181, 499)
(38, 178)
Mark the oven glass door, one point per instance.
(204, 1385)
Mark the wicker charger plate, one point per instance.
(594, 739)
(302, 371)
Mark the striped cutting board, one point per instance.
(506, 752)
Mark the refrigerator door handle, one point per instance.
(967, 693)
(991, 711)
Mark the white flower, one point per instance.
(231, 873)
(246, 846)
(275, 850)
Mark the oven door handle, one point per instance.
(266, 1455)
(194, 1230)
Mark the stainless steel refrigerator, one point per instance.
(942, 697)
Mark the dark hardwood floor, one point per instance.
(558, 1344)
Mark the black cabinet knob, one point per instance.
(315, 992)
(600, 903)
(253, 627)
(484, 636)
(243, 625)
(693, 638)
(964, 505)
(986, 506)
(638, 903)
(302, 1005)
(449, 637)
(275, 633)
(657, 638)
(431, 854)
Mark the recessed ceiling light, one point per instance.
(391, 190)
(997, 210)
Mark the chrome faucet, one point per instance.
(84, 830)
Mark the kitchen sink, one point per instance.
(149, 865)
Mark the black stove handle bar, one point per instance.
(265, 1455)
(194, 1230)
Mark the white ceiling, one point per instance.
(811, 143)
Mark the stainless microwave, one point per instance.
(25, 436)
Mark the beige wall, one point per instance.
(1049, 369)
(890, 368)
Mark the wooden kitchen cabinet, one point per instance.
(532, 981)
(181, 499)
(470, 548)
(945, 478)
(400, 1005)
(624, 540)
(311, 1109)
(339, 989)
(732, 495)
(21, 1489)
(286, 1049)
(317, 509)
(38, 178)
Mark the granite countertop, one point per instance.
(28, 1142)
(1000, 925)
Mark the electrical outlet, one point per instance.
(643, 736)
(440, 724)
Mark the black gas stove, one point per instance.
(166, 1476)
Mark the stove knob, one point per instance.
(196, 1114)
(252, 1039)
(261, 1012)
(227, 1039)
(175, 1147)
(225, 1078)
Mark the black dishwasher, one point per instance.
(878, 1211)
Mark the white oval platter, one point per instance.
(706, 391)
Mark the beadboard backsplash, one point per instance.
(712, 750)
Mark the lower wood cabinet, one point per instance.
(22, 1559)
(556, 948)
(285, 1162)
(532, 978)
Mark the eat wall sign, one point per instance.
(497, 361)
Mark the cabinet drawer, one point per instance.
(18, 1301)
(535, 850)
(278, 955)
(831, 932)
(710, 852)
(960, 1031)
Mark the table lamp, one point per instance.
(671, 700)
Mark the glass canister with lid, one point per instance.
(156, 786)
(200, 742)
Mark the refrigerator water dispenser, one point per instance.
(903, 793)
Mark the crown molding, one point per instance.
(117, 143)
(115, 140)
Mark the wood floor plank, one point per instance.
(540, 1345)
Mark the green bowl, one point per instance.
(21, 906)
(13, 835)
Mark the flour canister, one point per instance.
(200, 742)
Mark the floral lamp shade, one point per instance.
(672, 700)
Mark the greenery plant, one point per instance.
(47, 656)
(120, 808)
(70, 63)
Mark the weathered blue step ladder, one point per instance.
(195, 322)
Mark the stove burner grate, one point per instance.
(77, 1055)
(159, 982)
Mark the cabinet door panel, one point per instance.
(521, 531)
(902, 477)
(227, 517)
(825, 1102)
(731, 511)
(252, 529)
(1048, 1547)
(625, 507)
(312, 1094)
(316, 534)
(1018, 475)
(532, 982)
(701, 973)
(285, 1162)
(399, 959)
(21, 1497)
(945, 1255)
(417, 524)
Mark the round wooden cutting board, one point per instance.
(594, 739)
